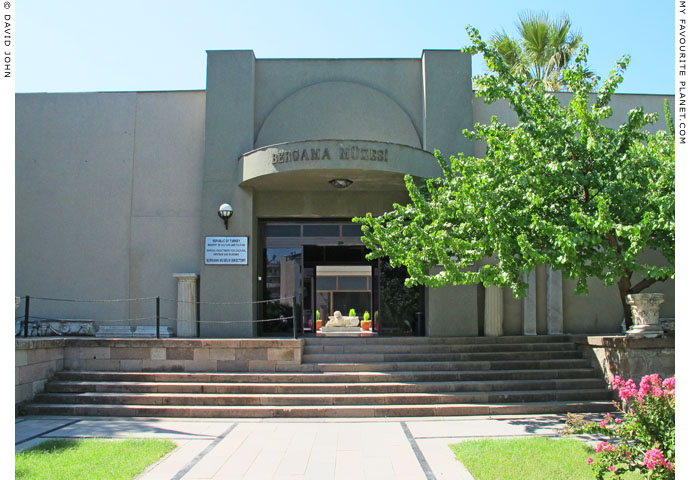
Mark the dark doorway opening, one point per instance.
(326, 273)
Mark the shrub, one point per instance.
(644, 439)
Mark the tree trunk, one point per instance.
(623, 291)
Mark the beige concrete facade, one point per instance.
(116, 192)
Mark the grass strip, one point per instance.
(89, 459)
(533, 458)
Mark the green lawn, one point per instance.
(89, 459)
(531, 458)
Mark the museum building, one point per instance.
(230, 202)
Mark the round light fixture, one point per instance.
(340, 182)
(225, 212)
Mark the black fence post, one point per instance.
(158, 317)
(26, 316)
(294, 318)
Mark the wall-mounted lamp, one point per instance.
(340, 182)
(225, 212)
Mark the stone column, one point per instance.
(186, 304)
(645, 311)
(554, 301)
(493, 312)
(529, 305)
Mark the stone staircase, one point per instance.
(355, 377)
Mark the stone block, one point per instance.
(37, 371)
(201, 366)
(54, 353)
(74, 364)
(21, 358)
(287, 367)
(99, 364)
(251, 354)
(131, 365)
(33, 343)
(114, 331)
(201, 354)
(630, 357)
(93, 353)
(130, 353)
(262, 366)
(266, 343)
(219, 343)
(158, 353)
(222, 354)
(162, 365)
(149, 331)
(180, 354)
(23, 393)
(37, 355)
(233, 366)
(284, 354)
(38, 386)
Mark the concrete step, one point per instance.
(533, 408)
(311, 341)
(447, 365)
(76, 387)
(435, 348)
(295, 399)
(437, 357)
(325, 377)
(355, 377)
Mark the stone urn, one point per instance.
(645, 315)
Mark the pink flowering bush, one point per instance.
(644, 439)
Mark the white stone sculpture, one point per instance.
(645, 313)
(337, 320)
(55, 326)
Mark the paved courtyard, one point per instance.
(402, 448)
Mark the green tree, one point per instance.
(558, 188)
(543, 50)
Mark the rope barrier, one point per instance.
(153, 318)
(226, 303)
(246, 321)
(90, 320)
(93, 301)
(157, 318)
(153, 298)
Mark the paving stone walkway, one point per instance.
(401, 448)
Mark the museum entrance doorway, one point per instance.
(324, 267)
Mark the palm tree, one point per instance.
(543, 50)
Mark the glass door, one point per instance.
(309, 324)
(283, 281)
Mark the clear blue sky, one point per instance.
(66, 46)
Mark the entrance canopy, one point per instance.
(310, 165)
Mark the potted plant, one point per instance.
(352, 313)
(318, 320)
(366, 322)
